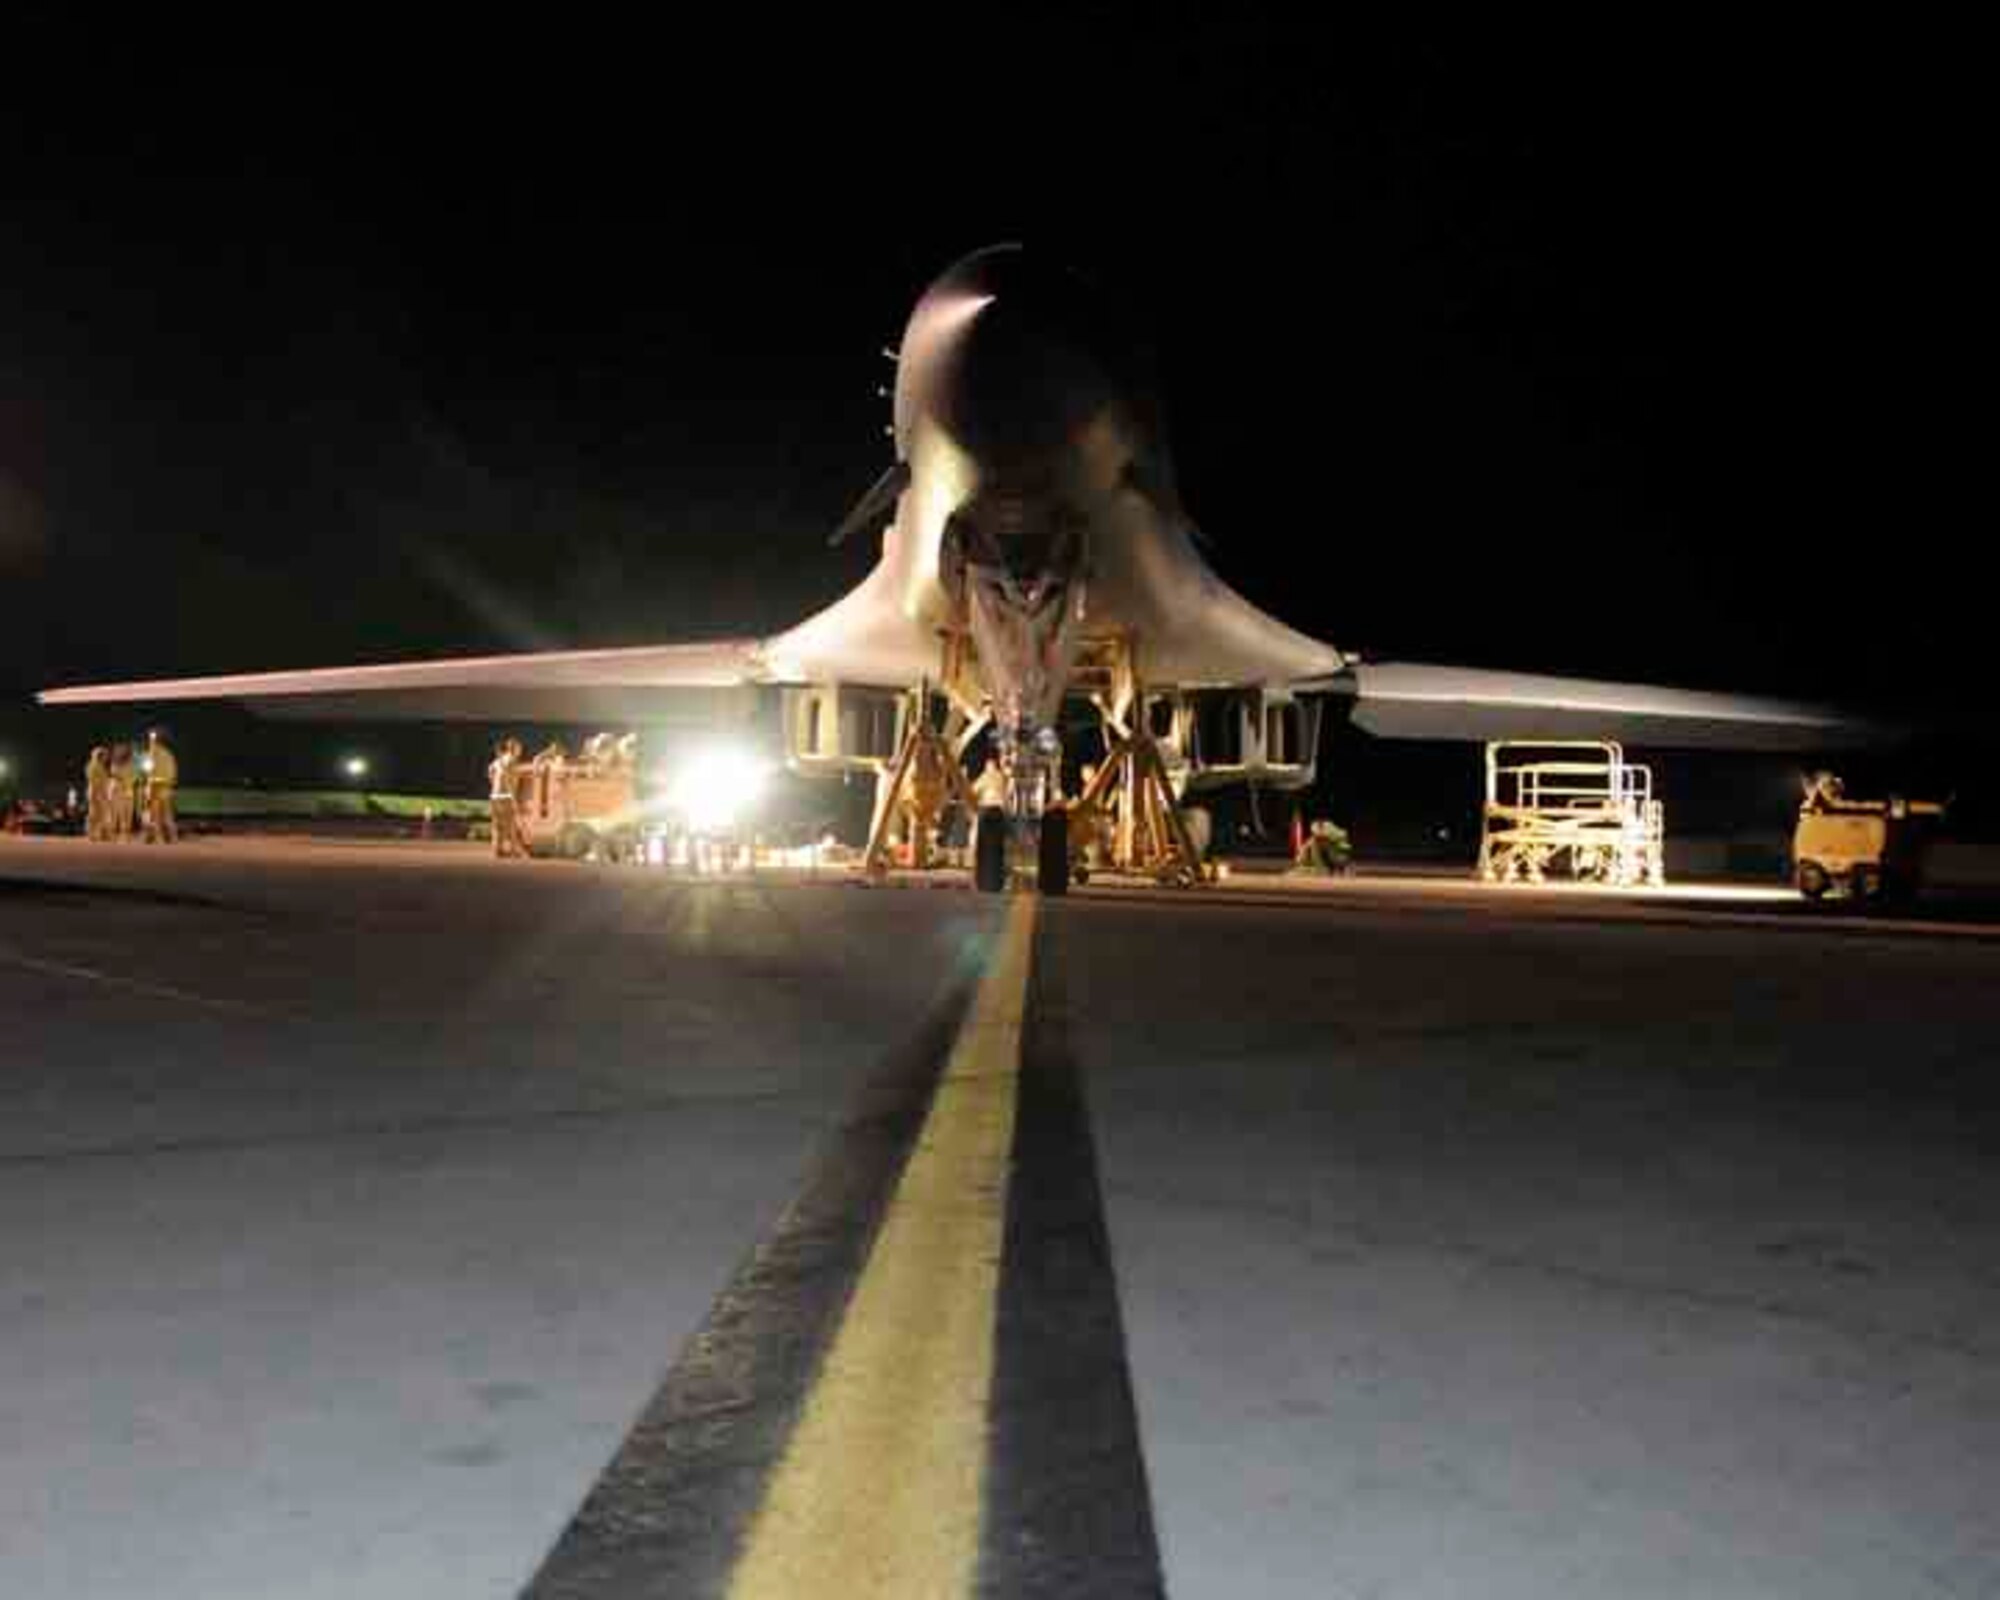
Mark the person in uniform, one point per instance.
(1824, 792)
(505, 766)
(97, 794)
(163, 776)
(121, 793)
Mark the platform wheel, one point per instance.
(1052, 853)
(989, 850)
(1812, 879)
(1864, 883)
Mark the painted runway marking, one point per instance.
(918, 1384)
(667, 1518)
(155, 991)
(880, 1489)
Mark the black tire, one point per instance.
(1812, 879)
(1052, 854)
(1865, 883)
(989, 850)
(578, 842)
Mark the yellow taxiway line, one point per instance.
(879, 1489)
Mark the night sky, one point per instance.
(1639, 357)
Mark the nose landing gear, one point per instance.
(1052, 853)
(994, 836)
(989, 850)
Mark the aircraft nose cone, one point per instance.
(1014, 388)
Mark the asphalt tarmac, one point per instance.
(384, 1220)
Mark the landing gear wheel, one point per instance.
(989, 850)
(1812, 879)
(1052, 854)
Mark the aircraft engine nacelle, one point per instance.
(1268, 737)
(836, 727)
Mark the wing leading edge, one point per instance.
(1404, 700)
(649, 683)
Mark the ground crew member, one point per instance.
(163, 775)
(97, 794)
(548, 786)
(506, 764)
(1824, 792)
(121, 791)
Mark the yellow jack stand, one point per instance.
(924, 780)
(1131, 794)
(1128, 806)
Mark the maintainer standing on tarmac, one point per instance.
(120, 793)
(506, 763)
(97, 794)
(163, 776)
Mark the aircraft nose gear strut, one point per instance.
(1126, 819)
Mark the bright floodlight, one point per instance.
(355, 766)
(716, 786)
(5, 767)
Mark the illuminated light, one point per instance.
(1710, 893)
(355, 766)
(716, 787)
(6, 768)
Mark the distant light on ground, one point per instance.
(355, 766)
(1740, 893)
